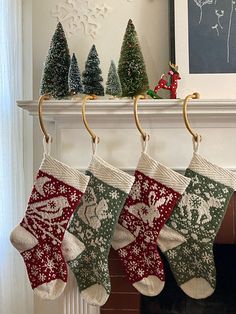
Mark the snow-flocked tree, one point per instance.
(92, 74)
(75, 84)
(56, 69)
(113, 85)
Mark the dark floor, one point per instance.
(173, 301)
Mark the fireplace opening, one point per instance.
(172, 300)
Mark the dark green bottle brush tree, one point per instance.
(56, 69)
(92, 74)
(75, 84)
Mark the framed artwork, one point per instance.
(203, 45)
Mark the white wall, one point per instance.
(149, 16)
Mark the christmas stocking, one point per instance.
(155, 192)
(93, 224)
(56, 193)
(187, 238)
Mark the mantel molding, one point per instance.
(154, 113)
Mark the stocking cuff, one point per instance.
(162, 174)
(111, 175)
(64, 173)
(205, 168)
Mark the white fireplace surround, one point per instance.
(113, 121)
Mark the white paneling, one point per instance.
(173, 147)
(215, 120)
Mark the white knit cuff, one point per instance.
(111, 175)
(147, 165)
(166, 176)
(64, 173)
(205, 168)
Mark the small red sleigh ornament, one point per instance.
(170, 83)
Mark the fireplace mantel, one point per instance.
(163, 112)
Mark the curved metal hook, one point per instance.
(195, 135)
(95, 138)
(145, 135)
(40, 115)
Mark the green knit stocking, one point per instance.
(187, 238)
(93, 224)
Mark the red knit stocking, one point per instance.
(55, 195)
(150, 203)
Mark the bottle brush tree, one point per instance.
(75, 84)
(56, 69)
(92, 74)
(113, 86)
(131, 68)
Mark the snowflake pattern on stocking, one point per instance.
(146, 210)
(197, 217)
(50, 207)
(93, 224)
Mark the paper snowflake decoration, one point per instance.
(80, 15)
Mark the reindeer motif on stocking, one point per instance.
(173, 84)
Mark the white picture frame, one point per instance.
(209, 85)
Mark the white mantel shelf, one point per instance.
(164, 112)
